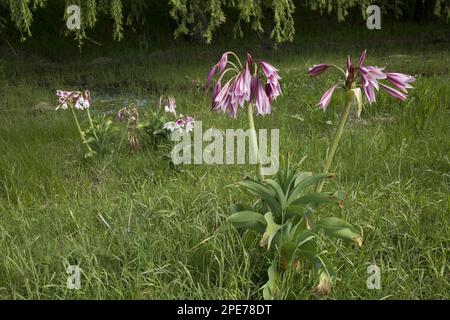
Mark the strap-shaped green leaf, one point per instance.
(237, 207)
(305, 183)
(249, 220)
(306, 245)
(288, 181)
(314, 198)
(294, 211)
(339, 228)
(264, 193)
(301, 176)
(279, 192)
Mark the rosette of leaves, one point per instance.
(286, 218)
(100, 137)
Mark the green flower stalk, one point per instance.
(77, 123)
(254, 142)
(337, 137)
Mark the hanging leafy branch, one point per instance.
(188, 12)
(201, 18)
(443, 9)
(21, 13)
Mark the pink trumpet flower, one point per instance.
(393, 92)
(220, 97)
(217, 68)
(171, 105)
(326, 98)
(216, 90)
(362, 58)
(270, 71)
(318, 69)
(261, 98)
(369, 79)
(241, 88)
(273, 88)
(400, 80)
(246, 84)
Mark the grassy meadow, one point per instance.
(140, 230)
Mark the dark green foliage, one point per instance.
(200, 19)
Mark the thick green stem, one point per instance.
(78, 124)
(337, 138)
(90, 119)
(254, 142)
(79, 128)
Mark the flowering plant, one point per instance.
(357, 80)
(256, 83)
(76, 100)
(162, 122)
(99, 136)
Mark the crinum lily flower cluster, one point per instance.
(255, 83)
(369, 78)
(244, 85)
(77, 99)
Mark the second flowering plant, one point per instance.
(160, 123)
(358, 80)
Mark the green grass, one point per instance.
(162, 238)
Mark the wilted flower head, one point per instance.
(182, 123)
(78, 99)
(130, 114)
(366, 78)
(244, 85)
(324, 286)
